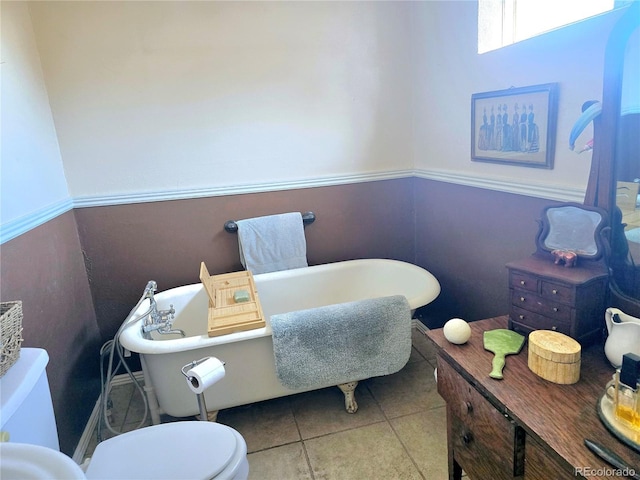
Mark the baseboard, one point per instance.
(85, 439)
(418, 325)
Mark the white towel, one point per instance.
(272, 243)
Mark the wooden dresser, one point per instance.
(522, 426)
(570, 300)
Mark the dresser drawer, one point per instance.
(523, 281)
(569, 300)
(543, 465)
(541, 305)
(486, 443)
(534, 321)
(557, 292)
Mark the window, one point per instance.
(503, 22)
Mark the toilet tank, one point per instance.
(26, 410)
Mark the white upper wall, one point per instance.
(157, 97)
(448, 70)
(162, 96)
(31, 171)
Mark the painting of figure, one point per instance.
(520, 128)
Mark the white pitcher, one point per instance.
(624, 335)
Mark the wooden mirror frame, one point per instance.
(587, 242)
(601, 189)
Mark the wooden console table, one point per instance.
(522, 426)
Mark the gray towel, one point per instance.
(272, 243)
(342, 343)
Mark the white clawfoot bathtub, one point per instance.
(250, 365)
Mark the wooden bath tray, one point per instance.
(225, 314)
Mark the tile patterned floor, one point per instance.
(399, 431)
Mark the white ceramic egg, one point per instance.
(457, 331)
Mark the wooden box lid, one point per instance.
(225, 314)
(554, 356)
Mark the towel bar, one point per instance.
(307, 218)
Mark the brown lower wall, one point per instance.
(463, 235)
(44, 268)
(128, 245)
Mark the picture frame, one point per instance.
(529, 137)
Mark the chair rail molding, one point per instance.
(18, 226)
(562, 193)
(239, 189)
(14, 228)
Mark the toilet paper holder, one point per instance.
(190, 381)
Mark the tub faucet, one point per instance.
(158, 320)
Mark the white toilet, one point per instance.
(190, 449)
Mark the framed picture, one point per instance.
(515, 126)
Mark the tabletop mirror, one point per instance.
(572, 227)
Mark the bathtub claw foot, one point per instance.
(349, 396)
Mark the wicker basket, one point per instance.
(10, 334)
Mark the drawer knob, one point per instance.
(555, 309)
(521, 317)
(554, 328)
(467, 438)
(469, 407)
(522, 299)
(522, 282)
(554, 291)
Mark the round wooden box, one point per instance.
(554, 356)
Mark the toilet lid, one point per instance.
(191, 449)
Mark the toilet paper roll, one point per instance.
(202, 376)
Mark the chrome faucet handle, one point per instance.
(168, 315)
(163, 324)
